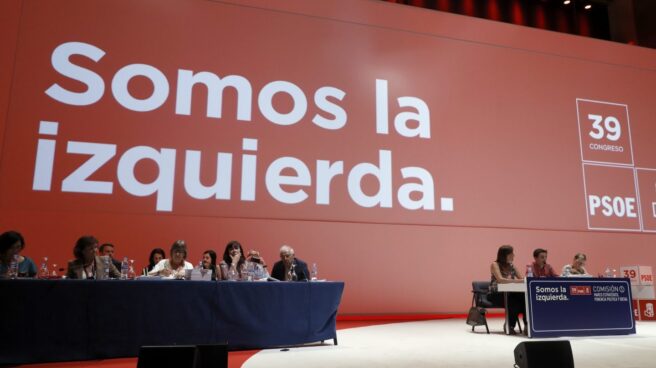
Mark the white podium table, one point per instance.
(513, 287)
(519, 287)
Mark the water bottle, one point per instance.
(250, 271)
(568, 272)
(105, 268)
(131, 273)
(314, 272)
(13, 267)
(293, 272)
(259, 272)
(43, 272)
(125, 268)
(529, 271)
(203, 271)
(608, 273)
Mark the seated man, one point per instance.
(540, 267)
(289, 268)
(107, 249)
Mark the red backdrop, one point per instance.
(505, 139)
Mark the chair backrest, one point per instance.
(480, 287)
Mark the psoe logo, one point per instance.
(580, 290)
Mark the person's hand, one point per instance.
(165, 272)
(254, 256)
(235, 258)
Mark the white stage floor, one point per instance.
(450, 343)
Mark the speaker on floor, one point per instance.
(544, 354)
(183, 356)
(179, 356)
(212, 356)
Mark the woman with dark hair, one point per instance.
(504, 272)
(87, 265)
(209, 262)
(233, 261)
(156, 255)
(174, 267)
(11, 244)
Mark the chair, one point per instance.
(481, 303)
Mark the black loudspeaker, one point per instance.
(544, 354)
(179, 356)
(212, 356)
(183, 356)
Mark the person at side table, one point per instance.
(12, 244)
(289, 268)
(503, 272)
(87, 265)
(174, 267)
(577, 268)
(540, 266)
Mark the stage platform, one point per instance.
(434, 343)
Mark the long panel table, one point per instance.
(60, 320)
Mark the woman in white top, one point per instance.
(577, 268)
(175, 266)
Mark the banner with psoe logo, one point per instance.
(613, 183)
(338, 127)
(579, 307)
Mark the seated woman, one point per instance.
(577, 268)
(12, 244)
(209, 262)
(87, 265)
(503, 272)
(156, 255)
(233, 261)
(174, 267)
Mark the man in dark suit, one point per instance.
(107, 249)
(289, 268)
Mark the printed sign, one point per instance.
(604, 131)
(646, 308)
(611, 198)
(639, 275)
(579, 307)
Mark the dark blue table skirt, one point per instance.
(60, 320)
